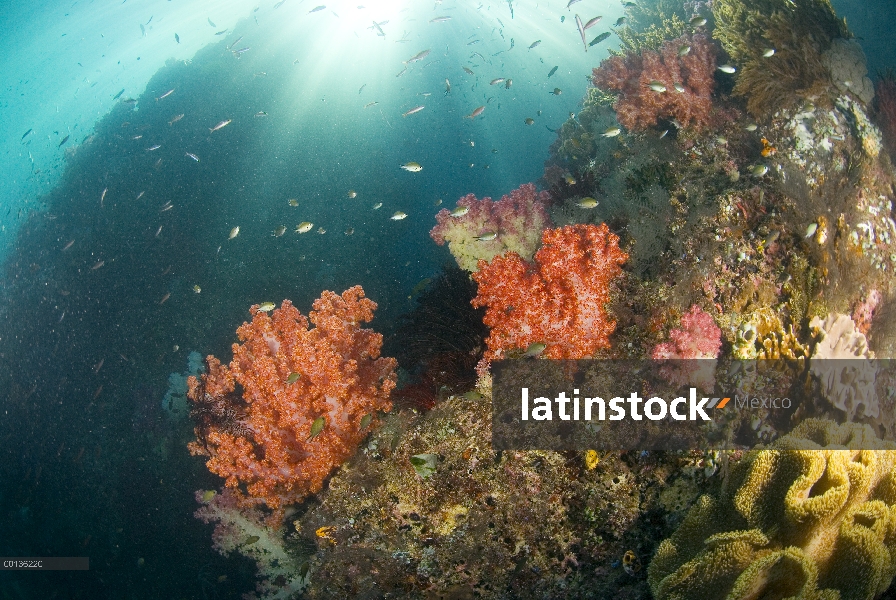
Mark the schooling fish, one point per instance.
(176, 39)
(165, 95)
(118, 95)
(416, 109)
(316, 9)
(419, 56)
(29, 131)
(554, 70)
(475, 113)
(533, 44)
(212, 23)
(592, 22)
(581, 32)
(600, 38)
(220, 125)
(64, 140)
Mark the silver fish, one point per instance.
(581, 30)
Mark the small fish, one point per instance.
(768, 53)
(365, 421)
(556, 92)
(362, 89)
(369, 104)
(535, 349)
(440, 19)
(469, 72)
(164, 298)
(137, 137)
(349, 231)
(252, 539)
(508, 83)
(581, 29)
(140, 195)
(530, 121)
(460, 211)
(496, 81)
(554, 70)
(398, 216)
(684, 50)
(97, 265)
(751, 127)
(266, 307)
(64, 140)
(220, 125)
(726, 68)
(473, 42)
(165, 95)
(234, 232)
(352, 194)
(210, 22)
(279, 231)
(569, 179)
(30, 130)
(721, 140)
(402, 72)
(230, 47)
(158, 231)
(168, 206)
(416, 109)
(293, 377)
(176, 38)
(304, 227)
(103, 196)
(377, 206)
(759, 170)
(261, 113)
(698, 21)
(419, 56)
(116, 96)
(475, 113)
(68, 245)
(413, 167)
(571, 2)
(657, 86)
(447, 87)
(600, 38)
(679, 88)
(317, 9)
(588, 202)
(197, 289)
(591, 23)
(534, 44)
(191, 155)
(176, 118)
(619, 22)
(317, 427)
(293, 202)
(611, 132)
(488, 236)
(154, 148)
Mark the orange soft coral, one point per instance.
(291, 376)
(559, 300)
(688, 79)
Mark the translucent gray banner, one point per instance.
(680, 405)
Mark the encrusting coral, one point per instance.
(803, 519)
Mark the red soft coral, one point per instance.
(639, 106)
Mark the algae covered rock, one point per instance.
(802, 519)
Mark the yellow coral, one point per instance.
(805, 519)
